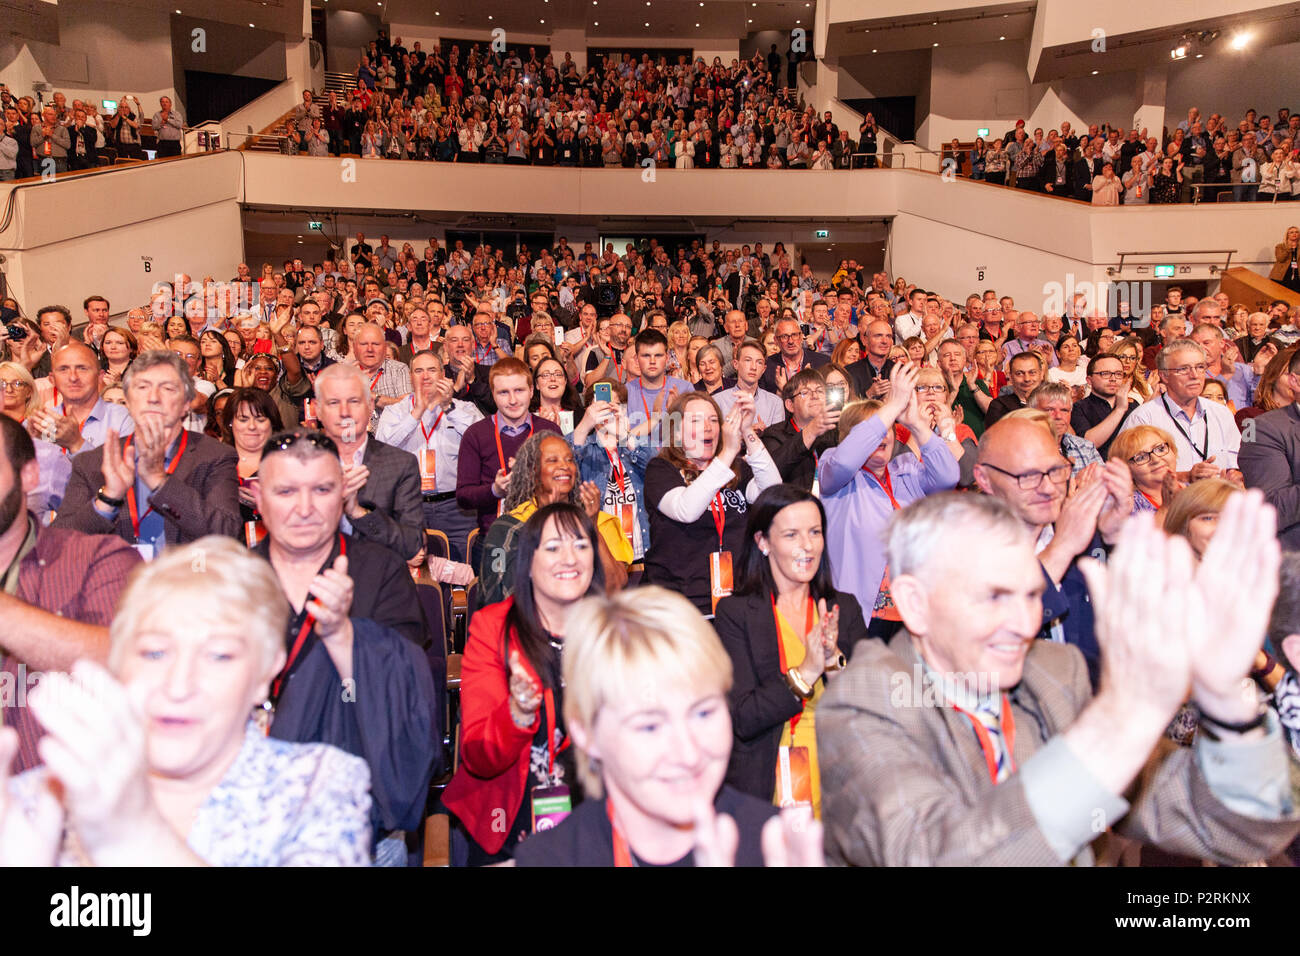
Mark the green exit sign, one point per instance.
(982, 131)
(1164, 272)
(823, 233)
(315, 225)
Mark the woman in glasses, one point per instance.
(517, 764)
(1151, 458)
(709, 363)
(784, 631)
(863, 484)
(18, 398)
(554, 398)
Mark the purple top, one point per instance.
(477, 466)
(857, 508)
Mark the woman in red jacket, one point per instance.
(517, 770)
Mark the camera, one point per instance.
(16, 332)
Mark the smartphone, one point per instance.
(835, 398)
(559, 335)
(603, 392)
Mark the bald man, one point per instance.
(1021, 463)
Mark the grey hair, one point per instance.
(1178, 345)
(524, 473)
(1051, 390)
(923, 529)
(342, 372)
(154, 358)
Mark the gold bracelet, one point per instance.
(797, 684)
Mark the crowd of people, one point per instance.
(478, 104)
(39, 138)
(1201, 159)
(762, 568)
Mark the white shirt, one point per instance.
(906, 326)
(397, 428)
(767, 406)
(1213, 431)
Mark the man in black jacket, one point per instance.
(1085, 170)
(797, 443)
(83, 153)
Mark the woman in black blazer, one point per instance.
(779, 677)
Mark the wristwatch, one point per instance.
(111, 502)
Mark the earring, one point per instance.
(764, 550)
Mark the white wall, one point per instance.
(1230, 83)
(183, 216)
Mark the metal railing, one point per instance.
(1227, 189)
(1180, 253)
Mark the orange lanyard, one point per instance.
(496, 433)
(886, 485)
(641, 382)
(63, 410)
(719, 516)
(1149, 499)
(780, 647)
(132, 508)
(429, 434)
(986, 742)
(549, 698)
(622, 855)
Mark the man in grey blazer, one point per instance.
(381, 484)
(1270, 460)
(966, 741)
(163, 485)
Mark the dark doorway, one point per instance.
(320, 32)
(214, 96)
(894, 114)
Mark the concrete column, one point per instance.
(1151, 87)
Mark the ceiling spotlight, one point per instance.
(1001, 38)
(797, 22)
(647, 23)
(697, 24)
(1199, 55)
(1095, 72)
(541, 21)
(936, 44)
(1178, 53)
(873, 51)
(250, 24)
(1240, 40)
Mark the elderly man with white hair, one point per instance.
(381, 494)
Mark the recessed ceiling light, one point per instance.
(873, 51)
(1095, 72)
(596, 23)
(936, 23)
(250, 24)
(1199, 55)
(749, 21)
(936, 44)
(797, 22)
(178, 11)
(489, 16)
(647, 23)
(541, 21)
(1001, 38)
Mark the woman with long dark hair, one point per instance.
(217, 361)
(514, 750)
(784, 630)
(554, 397)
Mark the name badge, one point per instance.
(254, 532)
(794, 778)
(550, 806)
(428, 470)
(720, 581)
(566, 422)
(146, 550)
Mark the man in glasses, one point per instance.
(791, 358)
(1205, 433)
(1021, 463)
(1099, 415)
(797, 442)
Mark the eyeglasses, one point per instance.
(1115, 374)
(787, 336)
(8, 386)
(1142, 457)
(550, 376)
(1189, 369)
(807, 393)
(1057, 474)
(931, 389)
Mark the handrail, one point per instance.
(1197, 187)
(1112, 270)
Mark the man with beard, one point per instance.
(60, 588)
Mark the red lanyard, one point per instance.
(429, 434)
(641, 382)
(780, 647)
(1149, 499)
(496, 433)
(616, 469)
(798, 366)
(308, 623)
(132, 508)
(886, 485)
(719, 516)
(986, 742)
(375, 381)
(622, 855)
(549, 698)
(81, 425)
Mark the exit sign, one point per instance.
(823, 233)
(982, 131)
(314, 225)
(1164, 272)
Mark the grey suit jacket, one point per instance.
(392, 493)
(904, 781)
(1270, 461)
(200, 497)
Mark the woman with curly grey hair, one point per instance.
(545, 472)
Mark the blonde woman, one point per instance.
(645, 702)
(19, 397)
(158, 761)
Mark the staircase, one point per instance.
(341, 83)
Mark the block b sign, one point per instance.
(1096, 297)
